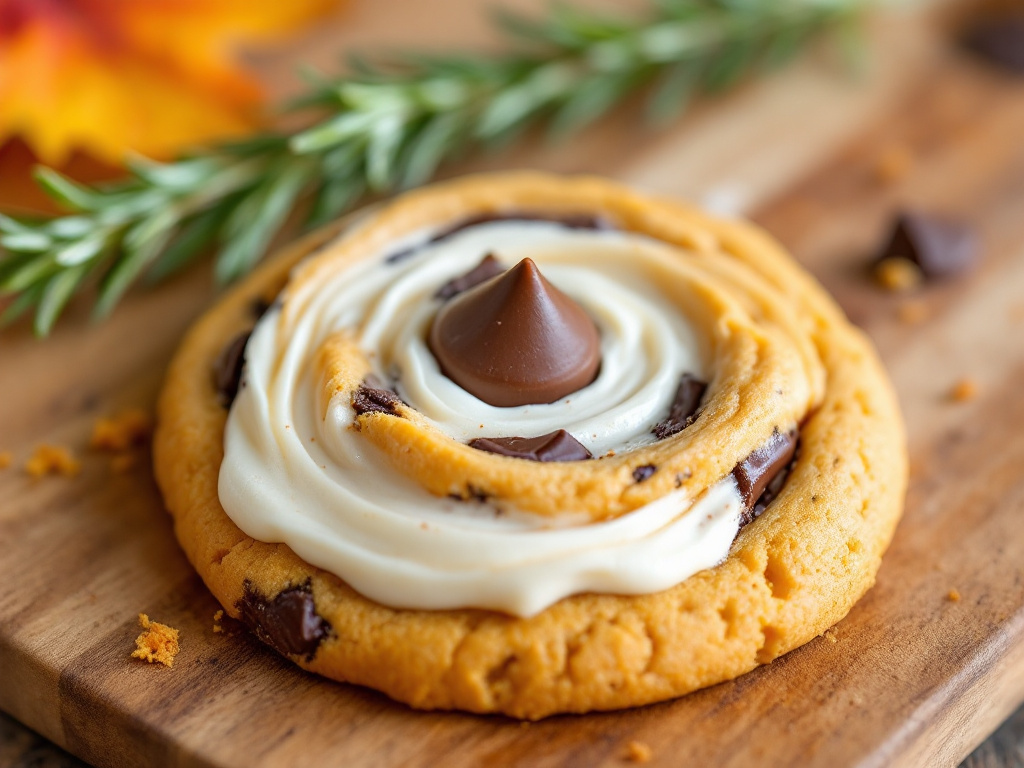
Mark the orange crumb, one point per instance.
(123, 462)
(912, 312)
(964, 390)
(953, 596)
(217, 629)
(893, 163)
(218, 615)
(159, 643)
(122, 431)
(898, 274)
(638, 752)
(6, 457)
(52, 460)
(216, 621)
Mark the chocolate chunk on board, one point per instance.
(938, 246)
(373, 397)
(554, 446)
(756, 473)
(288, 623)
(570, 221)
(1000, 40)
(684, 407)
(489, 267)
(227, 372)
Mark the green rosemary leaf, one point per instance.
(333, 197)
(728, 66)
(67, 192)
(22, 303)
(382, 152)
(253, 223)
(69, 227)
(182, 175)
(518, 102)
(192, 236)
(55, 296)
(79, 251)
(26, 242)
(588, 102)
(784, 46)
(428, 148)
(29, 272)
(672, 93)
(11, 263)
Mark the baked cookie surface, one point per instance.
(778, 357)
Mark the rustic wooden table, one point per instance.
(912, 679)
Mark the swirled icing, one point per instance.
(294, 476)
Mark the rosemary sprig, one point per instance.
(384, 127)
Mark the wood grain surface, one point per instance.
(909, 678)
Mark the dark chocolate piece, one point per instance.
(1000, 40)
(516, 339)
(569, 220)
(554, 446)
(289, 623)
(227, 373)
(373, 397)
(754, 475)
(489, 267)
(644, 472)
(684, 407)
(939, 247)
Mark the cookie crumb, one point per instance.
(216, 622)
(159, 643)
(638, 752)
(830, 635)
(6, 457)
(893, 163)
(898, 274)
(953, 596)
(122, 431)
(912, 312)
(52, 460)
(963, 391)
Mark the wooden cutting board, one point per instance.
(911, 677)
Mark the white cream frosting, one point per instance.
(290, 476)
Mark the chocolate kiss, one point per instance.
(516, 339)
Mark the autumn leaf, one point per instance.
(150, 76)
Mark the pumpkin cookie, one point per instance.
(529, 444)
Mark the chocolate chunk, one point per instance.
(684, 407)
(516, 339)
(373, 397)
(642, 473)
(1000, 40)
(570, 221)
(554, 446)
(755, 474)
(289, 623)
(482, 272)
(227, 372)
(939, 247)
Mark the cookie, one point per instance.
(528, 444)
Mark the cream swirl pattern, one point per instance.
(295, 470)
